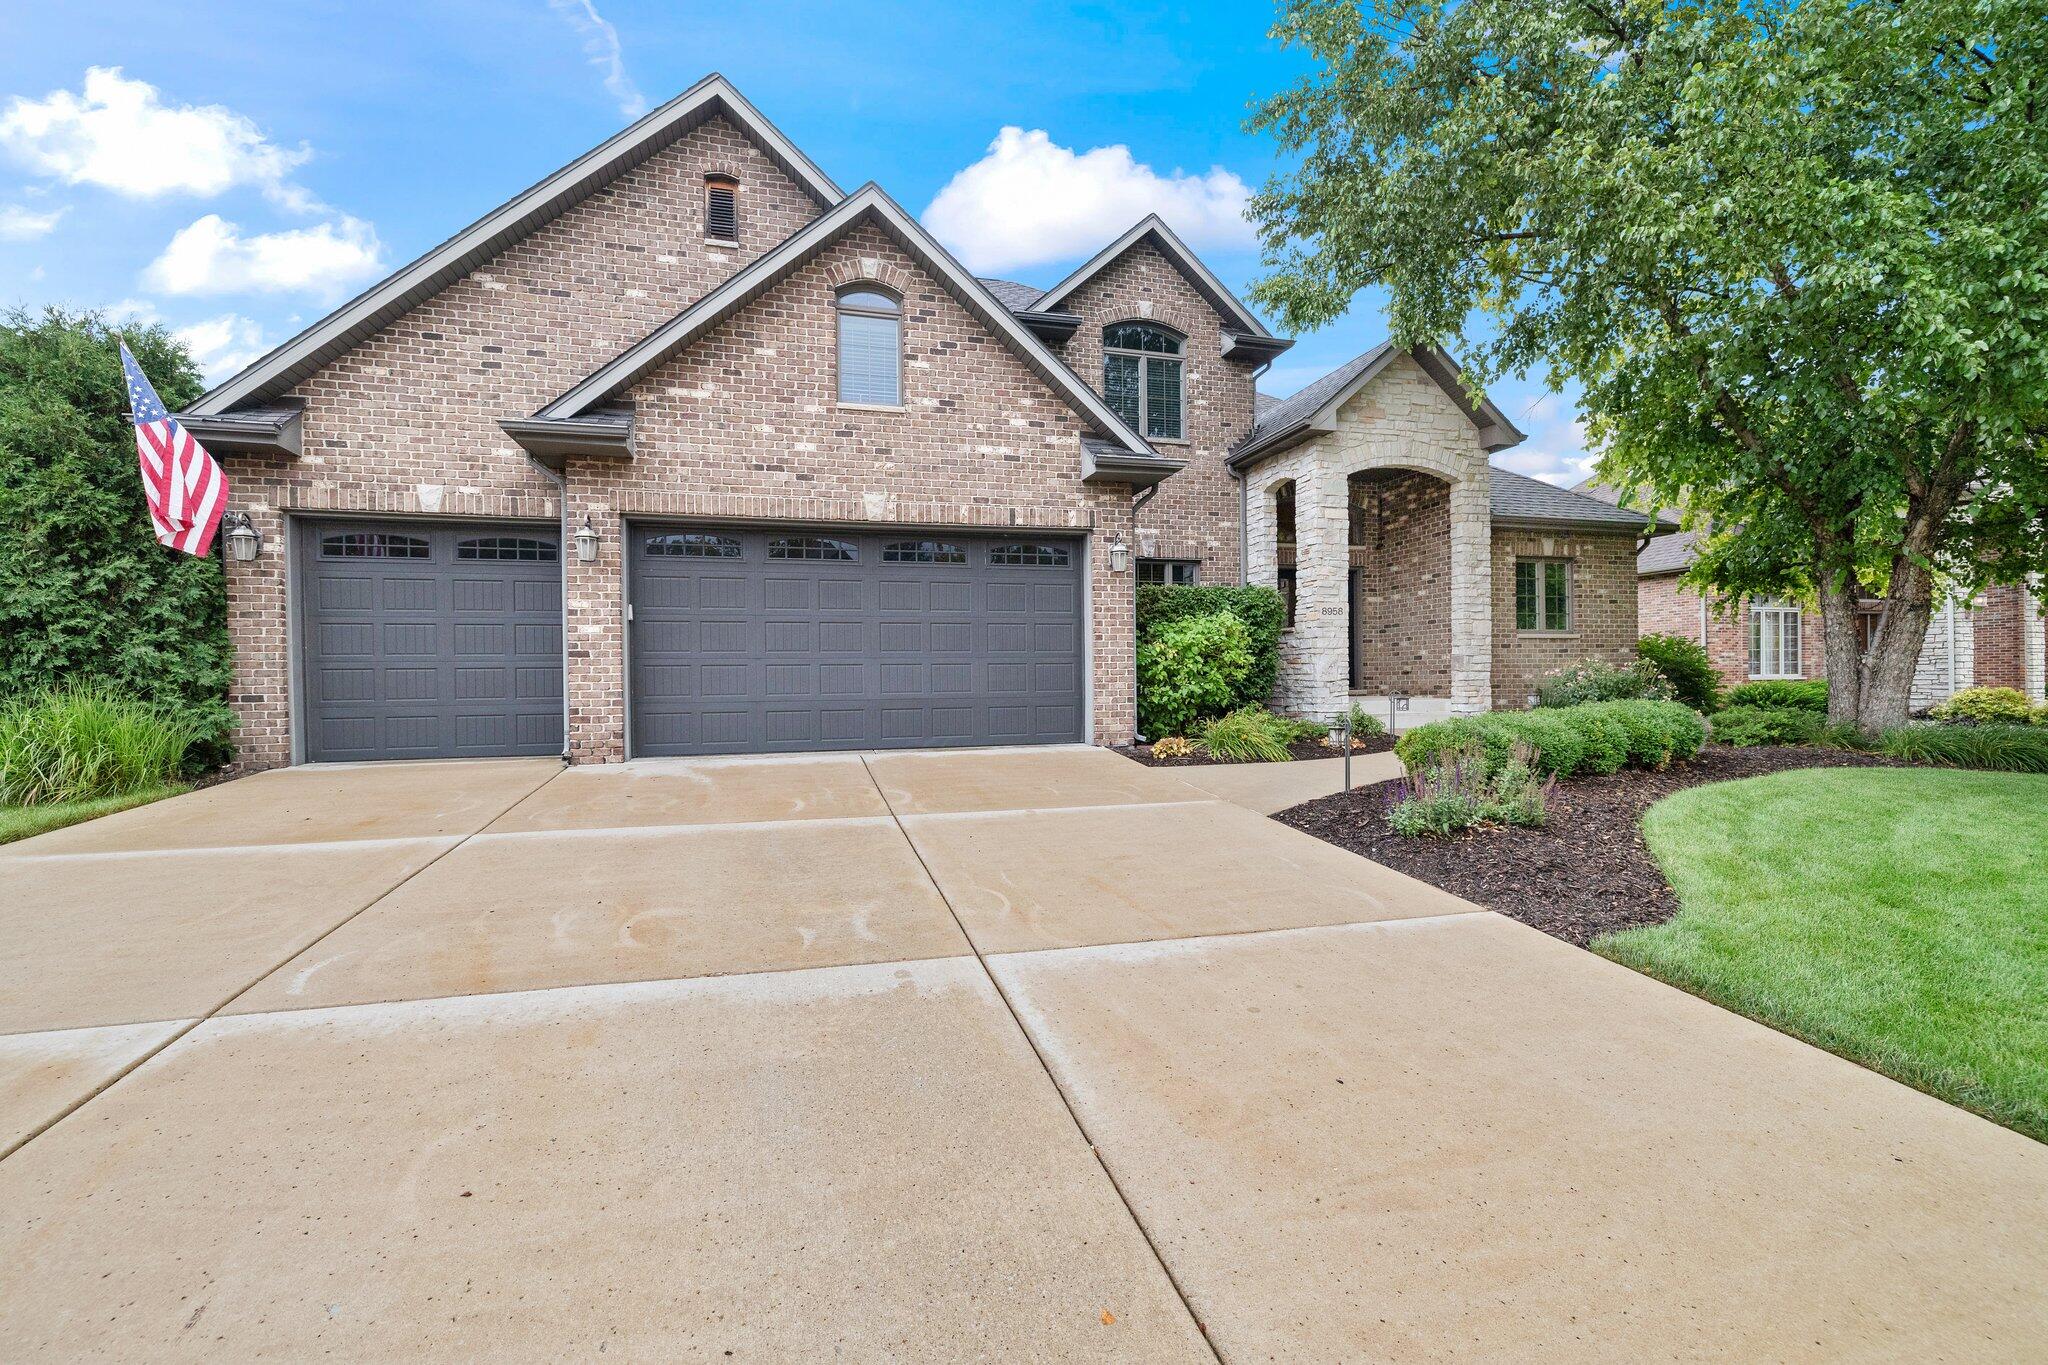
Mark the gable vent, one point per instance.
(721, 208)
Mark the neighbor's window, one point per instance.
(721, 208)
(870, 347)
(1180, 571)
(1543, 594)
(1141, 377)
(1774, 639)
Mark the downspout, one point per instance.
(561, 483)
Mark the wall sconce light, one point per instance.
(1119, 556)
(586, 540)
(244, 542)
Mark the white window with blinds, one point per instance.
(870, 348)
(1774, 639)
(1141, 378)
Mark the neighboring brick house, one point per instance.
(1998, 639)
(685, 450)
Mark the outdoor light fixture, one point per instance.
(244, 543)
(1119, 556)
(586, 540)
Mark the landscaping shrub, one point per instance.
(1467, 789)
(83, 743)
(1596, 680)
(1987, 706)
(1250, 734)
(1188, 668)
(1364, 725)
(1684, 665)
(86, 593)
(1261, 610)
(1751, 725)
(1996, 748)
(1598, 737)
(1805, 694)
(1306, 731)
(1172, 746)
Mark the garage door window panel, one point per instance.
(694, 545)
(1028, 555)
(372, 545)
(812, 547)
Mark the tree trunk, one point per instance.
(1844, 658)
(1888, 680)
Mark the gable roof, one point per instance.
(866, 204)
(1018, 298)
(376, 307)
(1239, 319)
(1517, 498)
(1281, 424)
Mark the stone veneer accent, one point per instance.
(1603, 608)
(1399, 421)
(406, 424)
(1195, 513)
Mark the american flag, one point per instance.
(185, 488)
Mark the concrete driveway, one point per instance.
(1021, 1054)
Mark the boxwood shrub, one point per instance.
(1748, 725)
(1803, 694)
(1598, 737)
(1264, 615)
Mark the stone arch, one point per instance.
(870, 270)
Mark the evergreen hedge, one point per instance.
(1261, 609)
(86, 593)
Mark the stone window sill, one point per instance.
(1548, 634)
(721, 241)
(871, 407)
(1169, 440)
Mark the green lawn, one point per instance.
(19, 822)
(1898, 917)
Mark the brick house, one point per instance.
(686, 450)
(1998, 639)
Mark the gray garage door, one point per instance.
(793, 639)
(430, 641)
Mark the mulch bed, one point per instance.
(1586, 872)
(1305, 749)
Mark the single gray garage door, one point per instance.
(783, 640)
(430, 640)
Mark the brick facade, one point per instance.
(1195, 514)
(1602, 613)
(1401, 584)
(745, 423)
(743, 426)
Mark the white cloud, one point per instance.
(211, 256)
(1555, 453)
(1030, 201)
(601, 47)
(221, 346)
(119, 135)
(18, 224)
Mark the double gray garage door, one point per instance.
(783, 640)
(442, 640)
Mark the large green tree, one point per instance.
(1794, 252)
(86, 593)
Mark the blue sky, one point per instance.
(236, 169)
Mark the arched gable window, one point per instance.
(1141, 377)
(870, 346)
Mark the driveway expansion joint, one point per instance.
(1038, 1054)
(453, 843)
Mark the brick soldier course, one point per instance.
(439, 395)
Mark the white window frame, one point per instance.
(1773, 625)
(1146, 360)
